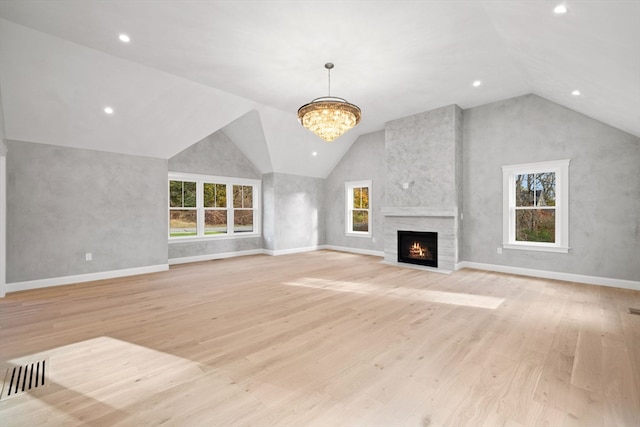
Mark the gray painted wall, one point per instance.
(459, 178)
(215, 155)
(64, 202)
(424, 151)
(268, 211)
(212, 247)
(421, 150)
(297, 209)
(364, 160)
(3, 200)
(247, 134)
(604, 208)
(3, 131)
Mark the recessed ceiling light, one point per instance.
(124, 38)
(477, 83)
(108, 110)
(315, 153)
(575, 93)
(560, 9)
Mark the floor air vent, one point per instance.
(634, 310)
(22, 379)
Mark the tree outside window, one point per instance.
(358, 209)
(242, 208)
(215, 208)
(204, 206)
(183, 215)
(536, 206)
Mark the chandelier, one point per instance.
(328, 116)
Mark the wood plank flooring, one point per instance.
(324, 339)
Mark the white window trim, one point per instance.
(509, 172)
(348, 186)
(200, 180)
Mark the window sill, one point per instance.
(358, 234)
(208, 238)
(537, 248)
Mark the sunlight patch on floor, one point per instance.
(111, 376)
(425, 295)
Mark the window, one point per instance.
(536, 206)
(182, 208)
(358, 208)
(199, 206)
(215, 208)
(242, 208)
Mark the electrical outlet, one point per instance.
(373, 239)
(499, 251)
(88, 256)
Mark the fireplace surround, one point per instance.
(443, 221)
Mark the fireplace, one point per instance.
(418, 247)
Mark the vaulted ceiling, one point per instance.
(195, 67)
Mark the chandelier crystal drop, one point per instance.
(329, 117)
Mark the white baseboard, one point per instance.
(78, 278)
(291, 251)
(353, 250)
(209, 257)
(568, 277)
(66, 280)
(184, 260)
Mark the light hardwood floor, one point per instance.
(324, 339)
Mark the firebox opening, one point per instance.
(418, 247)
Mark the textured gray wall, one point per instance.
(604, 192)
(421, 150)
(364, 160)
(64, 202)
(3, 131)
(3, 204)
(268, 211)
(215, 155)
(211, 247)
(459, 178)
(298, 212)
(425, 151)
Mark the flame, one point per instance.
(417, 249)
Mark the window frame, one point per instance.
(509, 173)
(183, 208)
(200, 180)
(214, 208)
(349, 186)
